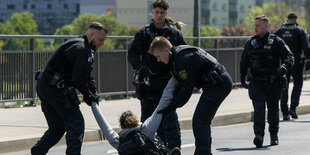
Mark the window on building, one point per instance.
(65, 6)
(33, 6)
(49, 6)
(214, 7)
(214, 21)
(25, 6)
(223, 22)
(1, 20)
(10, 6)
(77, 9)
(242, 9)
(224, 7)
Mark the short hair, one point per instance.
(292, 15)
(160, 4)
(98, 26)
(159, 43)
(128, 120)
(263, 18)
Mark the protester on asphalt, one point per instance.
(264, 61)
(194, 67)
(68, 68)
(130, 124)
(297, 39)
(152, 75)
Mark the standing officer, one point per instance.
(68, 68)
(297, 39)
(267, 58)
(194, 67)
(157, 73)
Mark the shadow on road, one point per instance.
(266, 147)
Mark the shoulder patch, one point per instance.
(183, 74)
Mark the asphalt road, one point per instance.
(294, 138)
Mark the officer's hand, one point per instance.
(144, 72)
(282, 70)
(166, 110)
(244, 84)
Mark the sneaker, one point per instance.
(175, 151)
(293, 114)
(258, 141)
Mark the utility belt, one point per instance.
(272, 79)
(213, 77)
(54, 79)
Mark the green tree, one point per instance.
(277, 14)
(205, 31)
(21, 24)
(80, 25)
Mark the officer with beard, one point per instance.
(265, 60)
(69, 68)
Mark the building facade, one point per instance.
(217, 13)
(49, 14)
(97, 7)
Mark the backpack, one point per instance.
(136, 143)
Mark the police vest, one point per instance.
(209, 59)
(263, 61)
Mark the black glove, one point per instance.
(144, 72)
(166, 110)
(282, 70)
(243, 83)
(90, 99)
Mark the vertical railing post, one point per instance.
(236, 61)
(32, 71)
(98, 73)
(127, 68)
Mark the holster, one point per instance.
(139, 89)
(213, 77)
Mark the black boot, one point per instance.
(258, 141)
(286, 117)
(274, 140)
(293, 113)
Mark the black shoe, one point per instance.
(293, 114)
(274, 140)
(286, 117)
(258, 141)
(175, 151)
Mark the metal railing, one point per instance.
(112, 72)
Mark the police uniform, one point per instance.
(68, 68)
(139, 58)
(194, 67)
(263, 57)
(296, 38)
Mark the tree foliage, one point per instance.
(80, 25)
(238, 30)
(277, 15)
(20, 24)
(205, 31)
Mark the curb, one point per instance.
(96, 135)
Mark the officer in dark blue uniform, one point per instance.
(297, 39)
(68, 68)
(155, 74)
(265, 60)
(194, 67)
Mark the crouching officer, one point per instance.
(194, 67)
(68, 68)
(296, 38)
(267, 58)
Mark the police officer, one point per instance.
(68, 68)
(267, 58)
(296, 38)
(194, 67)
(156, 73)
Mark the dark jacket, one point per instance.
(73, 60)
(189, 65)
(140, 46)
(296, 38)
(265, 54)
